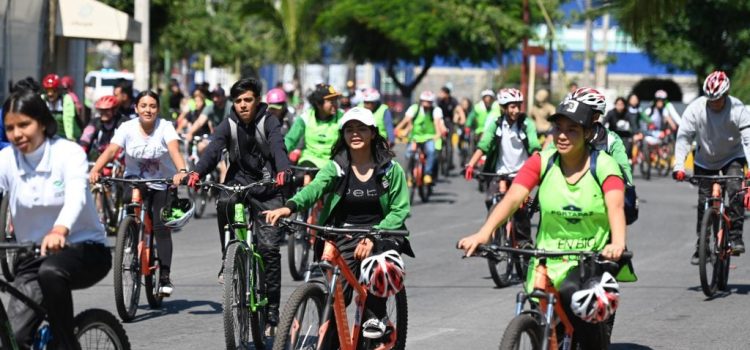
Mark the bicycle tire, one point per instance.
(153, 295)
(259, 317)
(424, 193)
(707, 252)
(235, 308)
(645, 163)
(127, 237)
(298, 250)
(402, 318)
(293, 316)
(7, 257)
(106, 326)
(518, 326)
(500, 270)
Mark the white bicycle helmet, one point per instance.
(505, 96)
(716, 85)
(660, 95)
(383, 274)
(590, 97)
(598, 301)
(371, 95)
(179, 214)
(427, 95)
(487, 92)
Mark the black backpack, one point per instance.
(261, 142)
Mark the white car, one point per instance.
(100, 83)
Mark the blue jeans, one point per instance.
(429, 150)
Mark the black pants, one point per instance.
(628, 143)
(736, 208)
(49, 280)
(521, 220)
(162, 234)
(591, 336)
(269, 237)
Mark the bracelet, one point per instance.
(183, 171)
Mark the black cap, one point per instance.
(578, 112)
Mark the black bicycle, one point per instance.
(301, 239)
(94, 328)
(7, 256)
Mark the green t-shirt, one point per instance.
(572, 216)
(423, 123)
(319, 137)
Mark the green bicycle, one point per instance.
(245, 300)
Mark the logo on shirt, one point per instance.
(572, 214)
(58, 184)
(385, 183)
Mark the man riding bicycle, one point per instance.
(426, 124)
(250, 160)
(63, 108)
(720, 124)
(508, 143)
(101, 128)
(481, 110)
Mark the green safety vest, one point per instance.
(320, 137)
(424, 127)
(481, 112)
(379, 115)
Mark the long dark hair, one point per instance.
(379, 145)
(29, 103)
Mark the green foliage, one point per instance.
(741, 82)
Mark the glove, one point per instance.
(294, 156)
(284, 177)
(192, 179)
(747, 200)
(469, 173)
(679, 175)
(651, 126)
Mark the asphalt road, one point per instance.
(453, 303)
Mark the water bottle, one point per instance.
(566, 342)
(43, 336)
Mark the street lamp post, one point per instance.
(141, 51)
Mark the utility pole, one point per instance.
(142, 50)
(601, 57)
(525, 56)
(587, 50)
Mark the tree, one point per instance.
(419, 31)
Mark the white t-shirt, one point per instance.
(511, 154)
(146, 157)
(49, 187)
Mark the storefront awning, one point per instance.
(90, 19)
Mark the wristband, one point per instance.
(183, 171)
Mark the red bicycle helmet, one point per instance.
(383, 274)
(106, 102)
(51, 81)
(716, 85)
(67, 82)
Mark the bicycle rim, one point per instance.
(299, 325)
(99, 330)
(397, 311)
(127, 270)
(236, 308)
(708, 266)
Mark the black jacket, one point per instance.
(250, 165)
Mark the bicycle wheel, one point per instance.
(708, 266)
(258, 302)
(523, 332)
(299, 325)
(6, 340)
(236, 308)
(500, 269)
(153, 295)
(98, 329)
(127, 269)
(298, 249)
(397, 310)
(645, 160)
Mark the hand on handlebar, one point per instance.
(272, 216)
(363, 249)
(470, 243)
(284, 177)
(294, 156)
(678, 175)
(55, 240)
(93, 176)
(612, 251)
(469, 173)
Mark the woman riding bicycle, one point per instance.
(152, 151)
(50, 204)
(368, 189)
(577, 213)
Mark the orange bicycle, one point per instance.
(304, 324)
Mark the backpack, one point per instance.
(261, 141)
(631, 198)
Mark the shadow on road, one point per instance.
(628, 346)
(743, 289)
(176, 306)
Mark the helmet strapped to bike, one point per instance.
(590, 97)
(598, 301)
(51, 81)
(383, 274)
(371, 95)
(505, 96)
(177, 212)
(716, 85)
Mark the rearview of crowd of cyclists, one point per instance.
(572, 163)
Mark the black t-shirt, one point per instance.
(193, 116)
(448, 105)
(360, 205)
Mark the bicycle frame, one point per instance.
(138, 203)
(241, 225)
(417, 162)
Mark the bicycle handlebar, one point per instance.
(338, 231)
(482, 174)
(165, 181)
(235, 188)
(18, 245)
(492, 249)
(697, 179)
(304, 169)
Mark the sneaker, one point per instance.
(695, 259)
(166, 288)
(738, 246)
(427, 179)
(373, 329)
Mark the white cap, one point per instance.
(360, 114)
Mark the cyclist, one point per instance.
(97, 135)
(50, 204)
(624, 124)
(254, 162)
(720, 124)
(277, 106)
(362, 186)
(578, 212)
(62, 107)
(660, 118)
(196, 122)
(175, 98)
(508, 143)
(67, 83)
(481, 110)
(124, 92)
(381, 112)
(425, 120)
(317, 127)
(447, 104)
(152, 151)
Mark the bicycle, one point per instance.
(108, 199)
(665, 154)
(507, 268)
(465, 144)
(136, 252)
(244, 296)
(538, 327)
(714, 247)
(304, 322)
(302, 239)
(200, 196)
(415, 176)
(446, 155)
(94, 328)
(7, 256)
